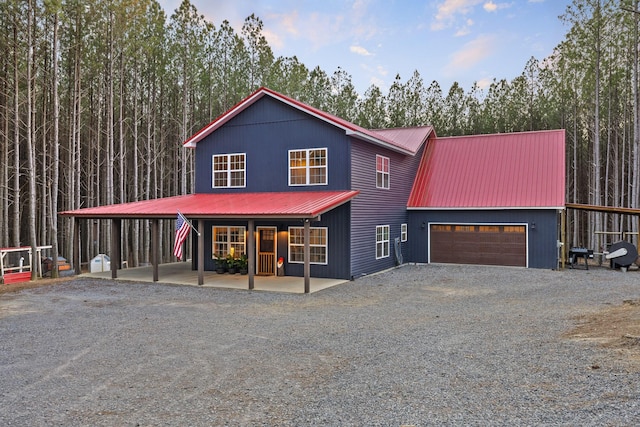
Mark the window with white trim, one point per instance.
(382, 172)
(308, 167)
(228, 241)
(229, 170)
(382, 241)
(317, 245)
(403, 232)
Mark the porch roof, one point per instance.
(295, 204)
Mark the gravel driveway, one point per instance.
(418, 345)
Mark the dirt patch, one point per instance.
(14, 287)
(616, 328)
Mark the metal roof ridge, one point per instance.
(482, 135)
(349, 127)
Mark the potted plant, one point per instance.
(221, 264)
(231, 264)
(243, 264)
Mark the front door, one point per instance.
(266, 248)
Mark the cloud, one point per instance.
(449, 9)
(274, 39)
(484, 82)
(376, 81)
(320, 28)
(466, 29)
(359, 50)
(470, 54)
(288, 22)
(490, 6)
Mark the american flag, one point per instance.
(182, 231)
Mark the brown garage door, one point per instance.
(479, 244)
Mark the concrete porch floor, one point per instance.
(180, 273)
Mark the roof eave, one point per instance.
(379, 142)
(482, 208)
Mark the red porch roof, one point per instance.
(306, 204)
(392, 141)
(514, 170)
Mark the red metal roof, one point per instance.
(514, 170)
(295, 204)
(410, 138)
(374, 137)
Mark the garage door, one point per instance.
(478, 244)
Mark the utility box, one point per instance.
(100, 263)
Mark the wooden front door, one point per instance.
(266, 248)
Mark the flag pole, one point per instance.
(189, 222)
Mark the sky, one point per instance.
(448, 41)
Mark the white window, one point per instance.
(228, 241)
(382, 172)
(382, 241)
(229, 170)
(317, 245)
(403, 232)
(308, 167)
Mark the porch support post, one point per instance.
(201, 252)
(155, 245)
(76, 246)
(251, 252)
(563, 237)
(307, 257)
(116, 229)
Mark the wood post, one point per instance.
(116, 229)
(76, 246)
(201, 252)
(155, 245)
(251, 252)
(307, 257)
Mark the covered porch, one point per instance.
(181, 273)
(305, 207)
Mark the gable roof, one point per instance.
(294, 204)
(411, 138)
(506, 171)
(393, 141)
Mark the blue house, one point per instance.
(287, 184)
(270, 143)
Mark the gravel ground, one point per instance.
(417, 345)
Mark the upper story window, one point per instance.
(308, 167)
(382, 172)
(229, 170)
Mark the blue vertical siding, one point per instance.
(266, 131)
(337, 222)
(374, 206)
(542, 241)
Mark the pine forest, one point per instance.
(96, 98)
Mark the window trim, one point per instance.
(382, 160)
(229, 170)
(307, 167)
(385, 247)
(404, 232)
(325, 246)
(228, 243)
